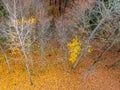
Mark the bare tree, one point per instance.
(18, 28)
(82, 20)
(5, 56)
(42, 25)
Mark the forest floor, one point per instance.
(105, 76)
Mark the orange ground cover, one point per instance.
(55, 77)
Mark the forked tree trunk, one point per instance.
(27, 65)
(83, 51)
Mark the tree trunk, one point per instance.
(6, 58)
(87, 42)
(41, 44)
(27, 65)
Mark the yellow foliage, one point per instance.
(90, 49)
(30, 20)
(14, 51)
(74, 49)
